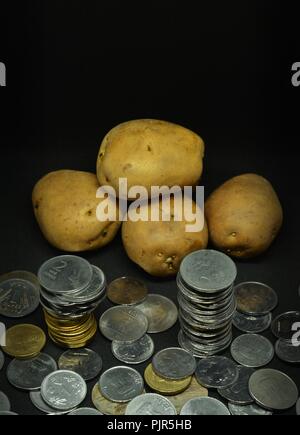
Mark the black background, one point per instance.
(77, 68)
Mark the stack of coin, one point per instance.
(71, 290)
(207, 303)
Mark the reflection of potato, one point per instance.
(159, 247)
(65, 206)
(150, 153)
(244, 216)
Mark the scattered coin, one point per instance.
(251, 324)
(4, 402)
(19, 294)
(24, 341)
(287, 351)
(121, 384)
(29, 374)
(127, 291)
(255, 298)
(273, 389)
(125, 324)
(282, 325)
(251, 350)
(161, 312)
(134, 353)
(165, 386)
(238, 393)
(174, 363)
(216, 372)
(247, 410)
(63, 390)
(150, 404)
(41, 405)
(204, 406)
(194, 390)
(298, 407)
(2, 360)
(107, 407)
(85, 411)
(85, 362)
(7, 413)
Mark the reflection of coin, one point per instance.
(286, 351)
(136, 352)
(127, 291)
(106, 406)
(85, 362)
(174, 363)
(194, 390)
(85, 411)
(283, 325)
(160, 311)
(150, 404)
(255, 298)
(24, 341)
(251, 324)
(121, 384)
(165, 386)
(204, 406)
(252, 350)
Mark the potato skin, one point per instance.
(65, 206)
(244, 216)
(159, 247)
(150, 153)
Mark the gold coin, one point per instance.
(165, 386)
(193, 391)
(127, 291)
(24, 341)
(106, 406)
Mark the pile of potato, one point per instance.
(243, 216)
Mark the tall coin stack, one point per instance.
(71, 290)
(207, 302)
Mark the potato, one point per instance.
(150, 153)
(244, 216)
(159, 247)
(65, 206)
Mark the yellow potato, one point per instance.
(65, 207)
(244, 216)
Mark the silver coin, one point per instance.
(96, 286)
(238, 392)
(121, 384)
(85, 362)
(216, 372)
(123, 323)
(273, 390)
(19, 294)
(160, 311)
(247, 410)
(255, 298)
(251, 324)
(204, 406)
(29, 374)
(65, 273)
(174, 363)
(287, 351)
(2, 360)
(252, 350)
(298, 407)
(208, 271)
(7, 413)
(4, 402)
(150, 404)
(85, 411)
(63, 390)
(283, 325)
(41, 405)
(134, 353)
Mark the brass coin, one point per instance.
(194, 390)
(165, 386)
(24, 341)
(106, 406)
(127, 291)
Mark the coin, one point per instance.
(2, 360)
(194, 390)
(65, 273)
(251, 324)
(204, 406)
(174, 363)
(63, 390)
(298, 407)
(127, 291)
(255, 298)
(85, 362)
(7, 413)
(24, 341)
(160, 311)
(287, 351)
(252, 350)
(96, 287)
(19, 294)
(238, 392)
(247, 410)
(150, 404)
(4, 402)
(29, 374)
(121, 384)
(216, 372)
(165, 386)
(107, 407)
(85, 411)
(134, 353)
(41, 405)
(125, 324)
(273, 389)
(283, 325)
